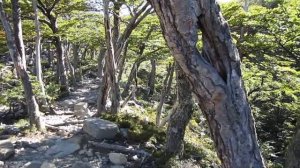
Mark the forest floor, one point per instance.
(34, 150)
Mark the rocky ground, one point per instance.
(73, 139)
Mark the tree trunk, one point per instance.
(151, 81)
(33, 108)
(165, 91)
(77, 63)
(122, 62)
(61, 68)
(38, 48)
(118, 41)
(215, 76)
(132, 74)
(101, 57)
(110, 63)
(293, 152)
(17, 24)
(181, 116)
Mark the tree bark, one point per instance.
(165, 91)
(214, 75)
(151, 81)
(132, 75)
(118, 42)
(38, 48)
(183, 111)
(33, 108)
(110, 63)
(77, 63)
(101, 57)
(61, 68)
(17, 24)
(293, 152)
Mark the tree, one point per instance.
(214, 75)
(33, 108)
(181, 114)
(51, 11)
(112, 64)
(38, 48)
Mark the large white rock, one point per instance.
(6, 149)
(100, 129)
(62, 149)
(81, 110)
(117, 158)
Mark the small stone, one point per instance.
(6, 149)
(46, 164)
(80, 164)
(117, 158)
(100, 129)
(85, 159)
(1, 164)
(135, 157)
(81, 152)
(33, 164)
(149, 145)
(89, 153)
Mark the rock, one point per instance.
(46, 164)
(89, 153)
(6, 149)
(62, 148)
(135, 157)
(10, 130)
(100, 129)
(67, 103)
(1, 164)
(81, 110)
(80, 164)
(117, 158)
(33, 164)
(116, 166)
(124, 132)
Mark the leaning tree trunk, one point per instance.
(165, 91)
(215, 76)
(293, 151)
(17, 24)
(181, 116)
(33, 108)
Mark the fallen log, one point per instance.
(118, 148)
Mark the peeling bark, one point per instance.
(214, 75)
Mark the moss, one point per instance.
(139, 131)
